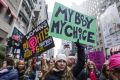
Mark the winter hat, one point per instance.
(61, 57)
(114, 61)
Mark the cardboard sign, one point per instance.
(97, 57)
(37, 41)
(70, 25)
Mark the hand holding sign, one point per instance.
(36, 41)
(71, 25)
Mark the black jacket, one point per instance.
(80, 61)
(54, 75)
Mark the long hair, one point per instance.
(104, 69)
(67, 75)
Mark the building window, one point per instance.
(98, 49)
(100, 41)
(40, 7)
(1, 7)
(39, 2)
(97, 43)
(99, 34)
(1, 39)
(118, 8)
(8, 17)
(117, 1)
(101, 48)
(35, 1)
(95, 49)
(98, 28)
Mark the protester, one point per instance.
(60, 71)
(71, 61)
(44, 65)
(9, 73)
(90, 72)
(114, 66)
(104, 72)
(21, 69)
(32, 72)
(51, 63)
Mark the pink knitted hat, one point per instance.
(114, 61)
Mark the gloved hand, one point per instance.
(77, 43)
(79, 46)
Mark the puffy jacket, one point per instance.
(9, 74)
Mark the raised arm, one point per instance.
(80, 60)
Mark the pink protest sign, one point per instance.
(32, 43)
(97, 57)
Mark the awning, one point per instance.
(115, 49)
(4, 3)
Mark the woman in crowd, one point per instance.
(90, 72)
(51, 63)
(21, 69)
(104, 72)
(60, 71)
(10, 73)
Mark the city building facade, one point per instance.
(8, 16)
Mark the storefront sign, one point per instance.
(71, 25)
(37, 41)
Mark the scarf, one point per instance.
(92, 75)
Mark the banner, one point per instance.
(110, 25)
(37, 41)
(97, 57)
(70, 25)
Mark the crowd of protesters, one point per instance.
(60, 68)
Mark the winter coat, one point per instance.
(9, 74)
(85, 74)
(32, 75)
(68, 74)
(21, 74)
(102, 77)
(54, 74)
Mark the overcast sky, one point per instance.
(67, 3)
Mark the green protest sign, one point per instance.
(71, 25)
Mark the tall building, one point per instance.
(40, 13)
(25, 13)
(18, 17)
(29, 14)
(8, 15)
